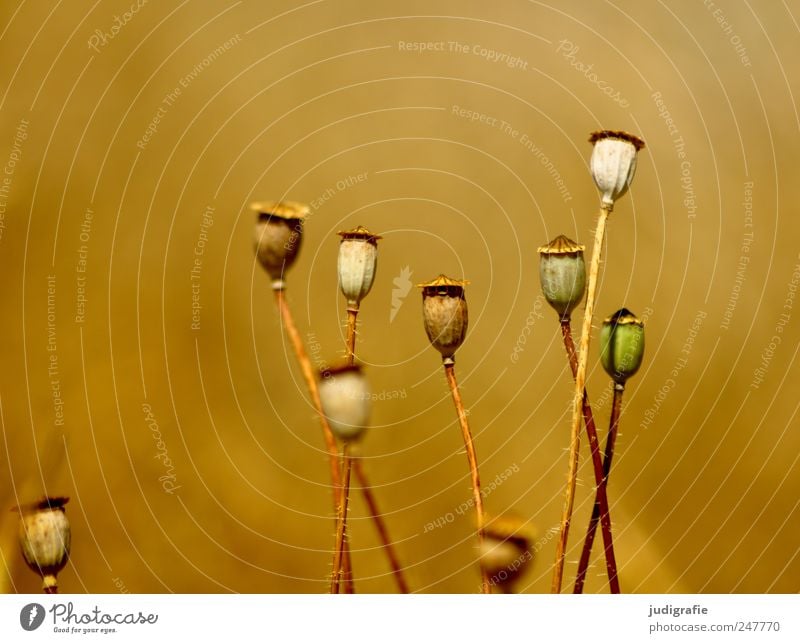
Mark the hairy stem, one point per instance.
(352, 315)
(472, 458)
(577, 405)
(601, 500)
(600, 514)
(341, 521)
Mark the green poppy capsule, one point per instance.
(562, 272)
(622, 345)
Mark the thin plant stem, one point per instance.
(472, 458)
(577, 405)
(598, 513)
(49, 584)
(366, 490)
(601, 501)
(380, 526)
(341, 520)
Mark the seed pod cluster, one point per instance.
(278, 235)
(346, 401)
(444, 311)
(358, 261)
(613, 163)
(44, 537)
(562, 273)
(622, 345)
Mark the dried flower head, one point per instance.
(622, 345)
(562, 272)
(278, 235)
(613, 163)
(444, 312)
(507, 549)
(44, 538)
(358, 261)
(346, 400)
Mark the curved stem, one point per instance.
(380, 526)
(341, 521)
(599, 514)
(601, 500)
(577, 405)
(472, 458)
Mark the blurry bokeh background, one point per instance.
(132, 144)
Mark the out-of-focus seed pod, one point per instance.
(622, 345)
(358, 261)
(278, 235)
(562, 272)
(44, 538)
(613, 163)
(346, 401)
(444, 311)
(507, 550)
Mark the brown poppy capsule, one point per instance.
(358, 261)
(346, 401)
(444, 312)
(507, 550)
(562, 273)
(278, 235)
(44, 538)
(613, 163)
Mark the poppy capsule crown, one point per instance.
(622, 345)
(562, 273)
(44, 537)
(444, 312)
(358, 261)
(613, 163)
(278, 235)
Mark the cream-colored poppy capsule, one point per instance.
(613, 163)
(507, 549)
(562, 273)
(444, 312)
(358, 261)
(346, 401)
(44, 538)
(278, 235)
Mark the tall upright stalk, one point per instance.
(600, 513)
(472, 458)
(601, 501)
(577, 406)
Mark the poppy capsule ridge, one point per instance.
(562, 273)
(346, 401)
(444, 312)
(44, 537)
(622, 345)
(613, 163)
(278, 235)
(357, 263)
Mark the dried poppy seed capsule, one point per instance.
(507, 550)
(622, 345)
(358, 261)
(444, 311)
(346, 401)
(278, 234)
(44, 537)
(613, 163)
(562, 273)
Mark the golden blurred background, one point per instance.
(134, 135)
